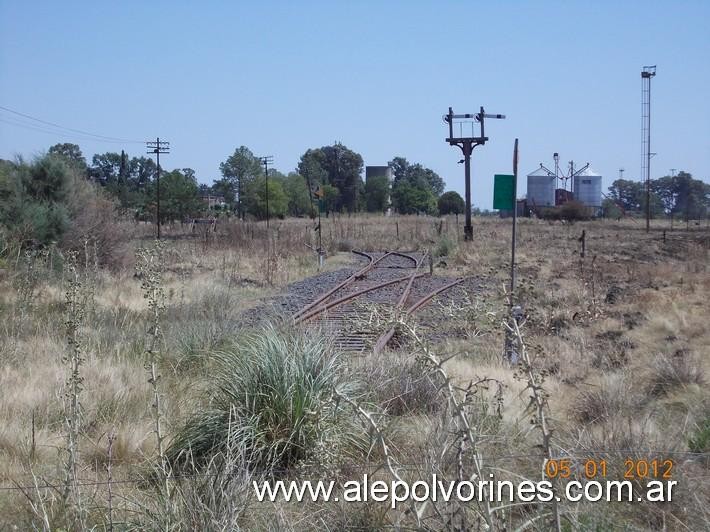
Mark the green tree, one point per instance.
(106, 168)
(399, 166)
(71, 153)
(127, 179)
(47, 180)
(451, 203)
(331, 198)
(179, 197)
(223, 187)
(142, 171)
(683, 196)
(239, 169)
(310, 168)
(296, 189)
(377, 192)
(415, 187)
(337, 166)
(255, 197)
(629, 194)
(412, 199)
(34, 196)
(610, 209)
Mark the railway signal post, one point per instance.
(467, 144)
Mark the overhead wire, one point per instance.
(75, 136)
(86, 134)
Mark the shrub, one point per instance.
(403, 387)
(573, 211)
(669, 373)
(612, 397)
(94, 217)
(444, 247)
(49, 201)
(451, 203)
(570, 211)
(344, 244)
(272, 394)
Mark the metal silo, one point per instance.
(587, 188)
(541, 188)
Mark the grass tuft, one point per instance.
(272, 395)
(670, 373)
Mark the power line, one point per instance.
(56, 133)
(104, 138)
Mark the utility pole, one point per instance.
(157, 148)
(646, 74)
(265, 161)
(467, 144)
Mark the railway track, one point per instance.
(392, 279)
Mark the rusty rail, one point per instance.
(321, 304)
(347, 281)
(315, 311)
(384, 339)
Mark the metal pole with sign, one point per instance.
(505, 194)
(515, 221)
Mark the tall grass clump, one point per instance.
(272, 395)
(444, 247)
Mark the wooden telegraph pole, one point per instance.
(157, 148)
(265, 161)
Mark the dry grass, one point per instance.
(620, 335)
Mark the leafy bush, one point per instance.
(49, 200)
(444, 247)
(94, 217)
(573, 211)
(451, 203)
(570, 211)
(272, 394)
(46, 222)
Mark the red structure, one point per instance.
(562, 196)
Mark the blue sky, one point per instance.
(282, 77)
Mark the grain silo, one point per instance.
(587, 189)
(541, 188)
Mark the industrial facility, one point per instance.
(541, 188)
(587, 189)
(549, 188)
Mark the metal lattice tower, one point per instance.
(646, 74)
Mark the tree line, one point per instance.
(679, 196)
(241, 190)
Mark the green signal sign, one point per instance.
(504, 192)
